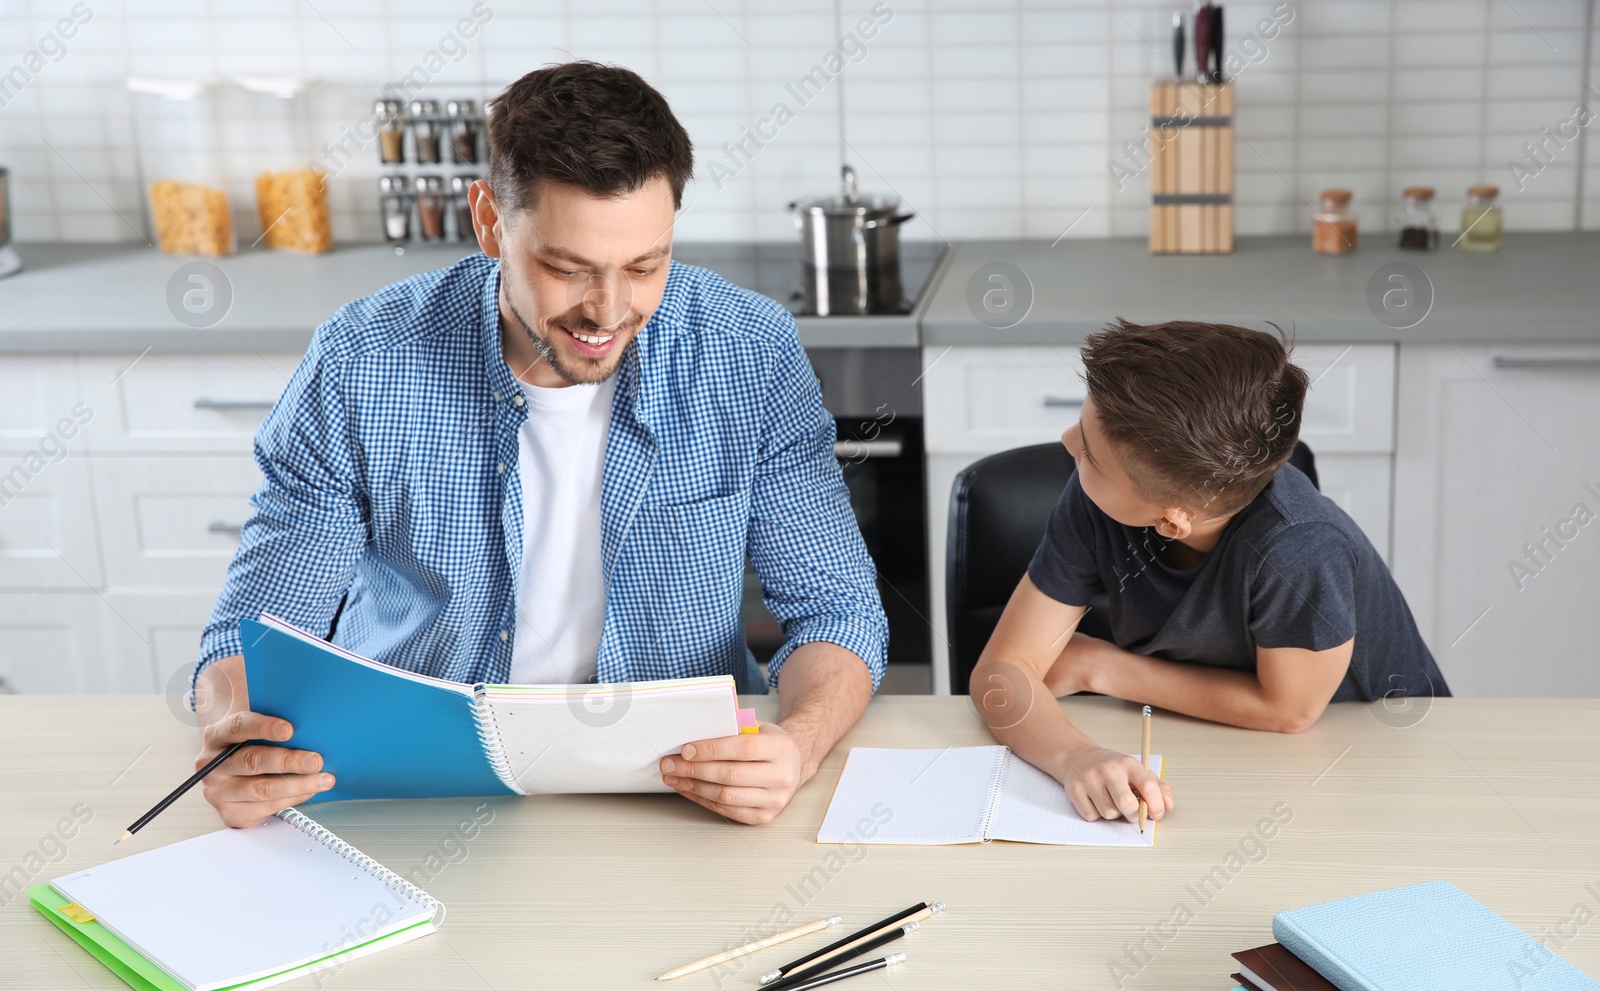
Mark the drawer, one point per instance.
(52, 642)
(1350, 408)
(38, 393)
(172, 523)
(182, 403)
(48, 531)
(157, 645)
(981, 400)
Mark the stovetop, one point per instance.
(773, 268)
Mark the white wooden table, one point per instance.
(1502, 797)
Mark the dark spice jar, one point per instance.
(463, 123)
(1419, 230)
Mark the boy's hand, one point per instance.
(1105, 784)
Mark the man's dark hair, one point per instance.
(601, 128)
(1202, 415)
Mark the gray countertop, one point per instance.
(1539, 288)
(114, 297)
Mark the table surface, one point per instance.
(1499, 796)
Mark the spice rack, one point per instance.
(1191, 168)
(418, 199)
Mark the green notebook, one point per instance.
(238, 908)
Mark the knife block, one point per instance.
(1191, 168)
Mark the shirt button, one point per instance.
(501, 467)
(516, 400)
(504, 636)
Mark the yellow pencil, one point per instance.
(1144, 761)
(760, 944)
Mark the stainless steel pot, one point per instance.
(851, 250)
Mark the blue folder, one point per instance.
(1424, 937)
(382, 732)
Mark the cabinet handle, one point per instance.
(223, 526)
(1062, 402)
(233, 404)
(1547, 361)
(851, 450)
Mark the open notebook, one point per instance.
(384, 732)
(237, 908)
(962, 795)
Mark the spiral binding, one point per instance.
(997, 783)
(489, 737)
(391, 880)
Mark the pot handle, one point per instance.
(885, 222)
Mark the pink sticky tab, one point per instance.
(748, 722)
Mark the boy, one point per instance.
(1239, 593)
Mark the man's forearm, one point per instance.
(1221, 695)
(822, 691)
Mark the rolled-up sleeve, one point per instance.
(817, 579)
(308, 523)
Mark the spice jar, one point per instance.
(391, 131)
(464, 125)
(1482, 225)
(425, 130)
(1419, 231)
(395, 200)
(430, 206)
(1333, 228)
(461, 206)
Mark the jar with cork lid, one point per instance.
(1482, 225)
(1333, 226)
(1419, 231)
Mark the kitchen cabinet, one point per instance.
(980, 400)
(1497, 485)
(54, 643)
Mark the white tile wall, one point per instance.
(988, 119)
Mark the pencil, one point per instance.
(1144, 761)
(831, 955)
(896, 919)
(177, 793)
(806, 973)
(841, 975)
(760, 944)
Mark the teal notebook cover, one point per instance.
(382, 732)
(1424, 937)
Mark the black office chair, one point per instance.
(999, 507)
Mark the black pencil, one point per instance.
(841, 975)
(177, 793)
(790, 981)
(891, 920)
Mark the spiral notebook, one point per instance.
(385, 732)
(238, 908)
(962, 795)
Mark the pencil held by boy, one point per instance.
(1238, 592)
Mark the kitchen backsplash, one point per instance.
(988, 119)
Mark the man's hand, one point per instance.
(257, 781)
(749, 778)
(1104, 784)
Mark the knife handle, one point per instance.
(1216, 42)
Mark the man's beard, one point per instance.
(589, 371)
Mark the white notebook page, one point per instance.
(240, 904)
(1034, 808)
(912, 796)
(606, 738)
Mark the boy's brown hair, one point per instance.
(1202, 415)
(601, 128)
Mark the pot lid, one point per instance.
(848, 202)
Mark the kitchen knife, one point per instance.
(1177, 44)
(1202, 42)
(1216, 42)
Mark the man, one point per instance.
(547, 463)
(1238, 592)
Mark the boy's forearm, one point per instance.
(1024, 715)
(1221, 695)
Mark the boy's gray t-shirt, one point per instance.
(1290, 570)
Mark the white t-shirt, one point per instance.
(561, 596)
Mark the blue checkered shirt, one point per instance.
(391, 480)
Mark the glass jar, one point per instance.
(395, 206)
(182, 156)
(430, 206)
(391, 122)
(425, 131)
(461, 206)
(1333, 227)
(1482, 225)
(464, 125)
(1419, 231)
